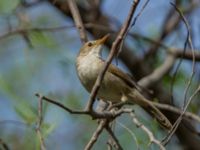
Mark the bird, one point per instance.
(116, 86)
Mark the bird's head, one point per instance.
(93, 47)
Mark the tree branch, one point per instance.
(186, 103)
(4, 145)
(158, 73)
(147, 131)
(94, 114)
(114, 138)
(186, 115)
(96, 134)
(77, 19)
(113, 51)
(39, 123)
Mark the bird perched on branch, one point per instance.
(116, 85)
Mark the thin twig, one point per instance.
(40, 106)
(176, 51)
(186, 115)
(131, 25)
(92, 113)
(178, 121)
(39, 123)
(186, 103)
(109, 145)
(95, 135)
(187, 41)
(147, 131)
(61, 105)
(77, 19)
(159, 72)
(114, 138)
(4, 145)
(140, 12)
(131, 133)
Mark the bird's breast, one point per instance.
(88, 68)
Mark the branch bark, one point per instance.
(77, 19)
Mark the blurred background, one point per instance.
(38, 48)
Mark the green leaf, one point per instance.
(41, 39)
(26, 112)
(194, 108)
(48, 128)
(7, 6)
(23, 108)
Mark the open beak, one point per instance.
(102, 40)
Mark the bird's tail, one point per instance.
(140, 100)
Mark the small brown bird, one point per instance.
(116, 86)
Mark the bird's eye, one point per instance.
(89, 44)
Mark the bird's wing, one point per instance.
(125, 77)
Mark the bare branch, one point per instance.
(176, 51)
(186, 103)
(61, 105)
(186, 115)
(159, 72)
(188, 54)
(147, 131)
(178, 121)
(96, 134)
(77, 19)
(4, 145)
(39, 123)
(170, 24)
(131, 25)
(188, 40)
(113, 51)
(94, 114)
(114, 138)
(131, 133)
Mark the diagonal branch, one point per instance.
(77, 19)
(114, 49)
(96, 134)
(159, 72)
(114, 138)
(147, 131)
(4, 145)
